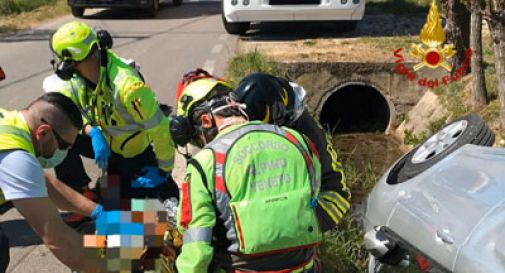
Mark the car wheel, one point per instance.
(77, 12)
(234, 28)
(153, 9)
(176, 2)
(470, 129)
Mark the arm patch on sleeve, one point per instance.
(141, 102)
(186, 202)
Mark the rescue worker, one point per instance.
(247, 202)
(121, 112)
(277, 101)
(72, 170)
(34, 138)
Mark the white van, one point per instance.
(238, 14)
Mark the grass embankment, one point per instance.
(456, 99)
(245, 64)
(23, 14)
(456, 96)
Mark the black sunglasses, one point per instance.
(62, 144)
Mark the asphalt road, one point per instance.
(179, 39)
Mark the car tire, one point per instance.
(235, 28)
(77, 12)
(152, 10)
(469, 129)
(176, 2)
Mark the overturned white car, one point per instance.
(441, 207)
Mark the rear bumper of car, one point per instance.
(109, 3)
(262, 11)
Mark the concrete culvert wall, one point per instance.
(370, 96)
(355, 107)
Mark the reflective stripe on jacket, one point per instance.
(251, 174)
(126, 110)
(335, 195)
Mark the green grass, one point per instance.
(487, 49)
(491, 112)
(453, 95)
(360, 178)
(250, 62)
(17, 6)
(452, 98)
(343, 249)
(491, 82)
(433, 126)
(310, 43)
(412, 139)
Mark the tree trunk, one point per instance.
(496, 21)
(499, 51)
(457, 29)
(479, 91)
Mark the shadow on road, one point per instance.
(20, 233)
(383, 25)
(27, 36)
(33, 35)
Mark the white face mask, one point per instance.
(53, 161)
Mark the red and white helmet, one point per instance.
(192, 76)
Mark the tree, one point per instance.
(479, 91)
(495, 17)
(457, 29)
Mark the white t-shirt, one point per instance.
(21, 175)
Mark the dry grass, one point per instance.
(26, 20)
(390, 44)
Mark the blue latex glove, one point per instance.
(150, 178)
(97, 212)
(100, 148)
